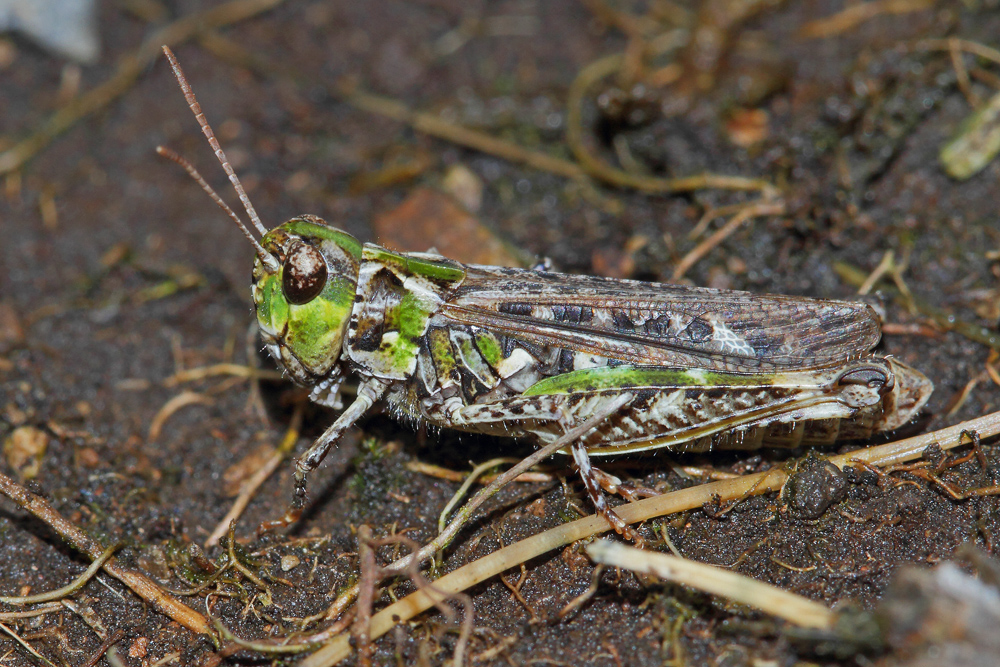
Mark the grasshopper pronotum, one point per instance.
(531, 353)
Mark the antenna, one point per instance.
(264, 255)
(212, 141)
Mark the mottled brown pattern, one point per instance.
(647, 323)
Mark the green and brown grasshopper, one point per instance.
(530, 353)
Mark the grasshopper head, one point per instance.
(304, 278)
(304, 297)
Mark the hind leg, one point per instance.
(611, 484)
(592, 481)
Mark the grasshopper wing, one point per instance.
(663, 325)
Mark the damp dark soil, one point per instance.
(117, 272)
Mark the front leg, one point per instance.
(369, 391)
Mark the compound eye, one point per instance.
(304, 274)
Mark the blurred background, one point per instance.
(812, 148)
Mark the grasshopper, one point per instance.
(532, 353)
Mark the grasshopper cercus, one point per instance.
(531, 353)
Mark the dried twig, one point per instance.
(470, 479)
(601, 170)
(463, 136)
(141, 585)
(747, 212)
(945, 320)
(251, 484)
(27, 647)
(181, 400)
(677, 501)
(444, 537)
(712, 579)
(235, 370)
(130, 67)
(67, 590)
(856, 14)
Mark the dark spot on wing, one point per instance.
(699, 331)
(515, 308)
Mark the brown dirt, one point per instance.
(139, 273)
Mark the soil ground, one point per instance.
(117, 271)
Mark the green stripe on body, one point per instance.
(634, 377)
(438, 270)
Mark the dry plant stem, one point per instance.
(434, 126)
(26, 645)
(470, 479)
(65, 591)
(484, 494)
(597, 168)
(962, 74)
(105, 646)
(341, 603)
(421, 582)
(793, 608)
(677, 501)
(361, 628)
(140, 584)
(181, 400)
(235, 370)
(282, 645)
(579, 600)
(41, 610)
(450, 475)
(238, 564)
(952, 43)
(250, 485)
(888, 261)
(856, 14)
(130, 67)
(748, 213)
(945, 320)
(480, 141)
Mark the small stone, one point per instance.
(289, 562)
(465, 186)
(88, 457)
(814, 486)
(24, 450)
(139, 648)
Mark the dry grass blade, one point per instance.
(942, 318)
(463, 136)
(67, 590)
(746, 213)
(465, 513)
(140, 584)
(717, 581)
(250, 485)
(856, 14)
(181, 400)
(470, 479)
(130, 67)
(215, 370)
(601, 170)
(503, 559)
(27, 647)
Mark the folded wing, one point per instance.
(664, 325)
